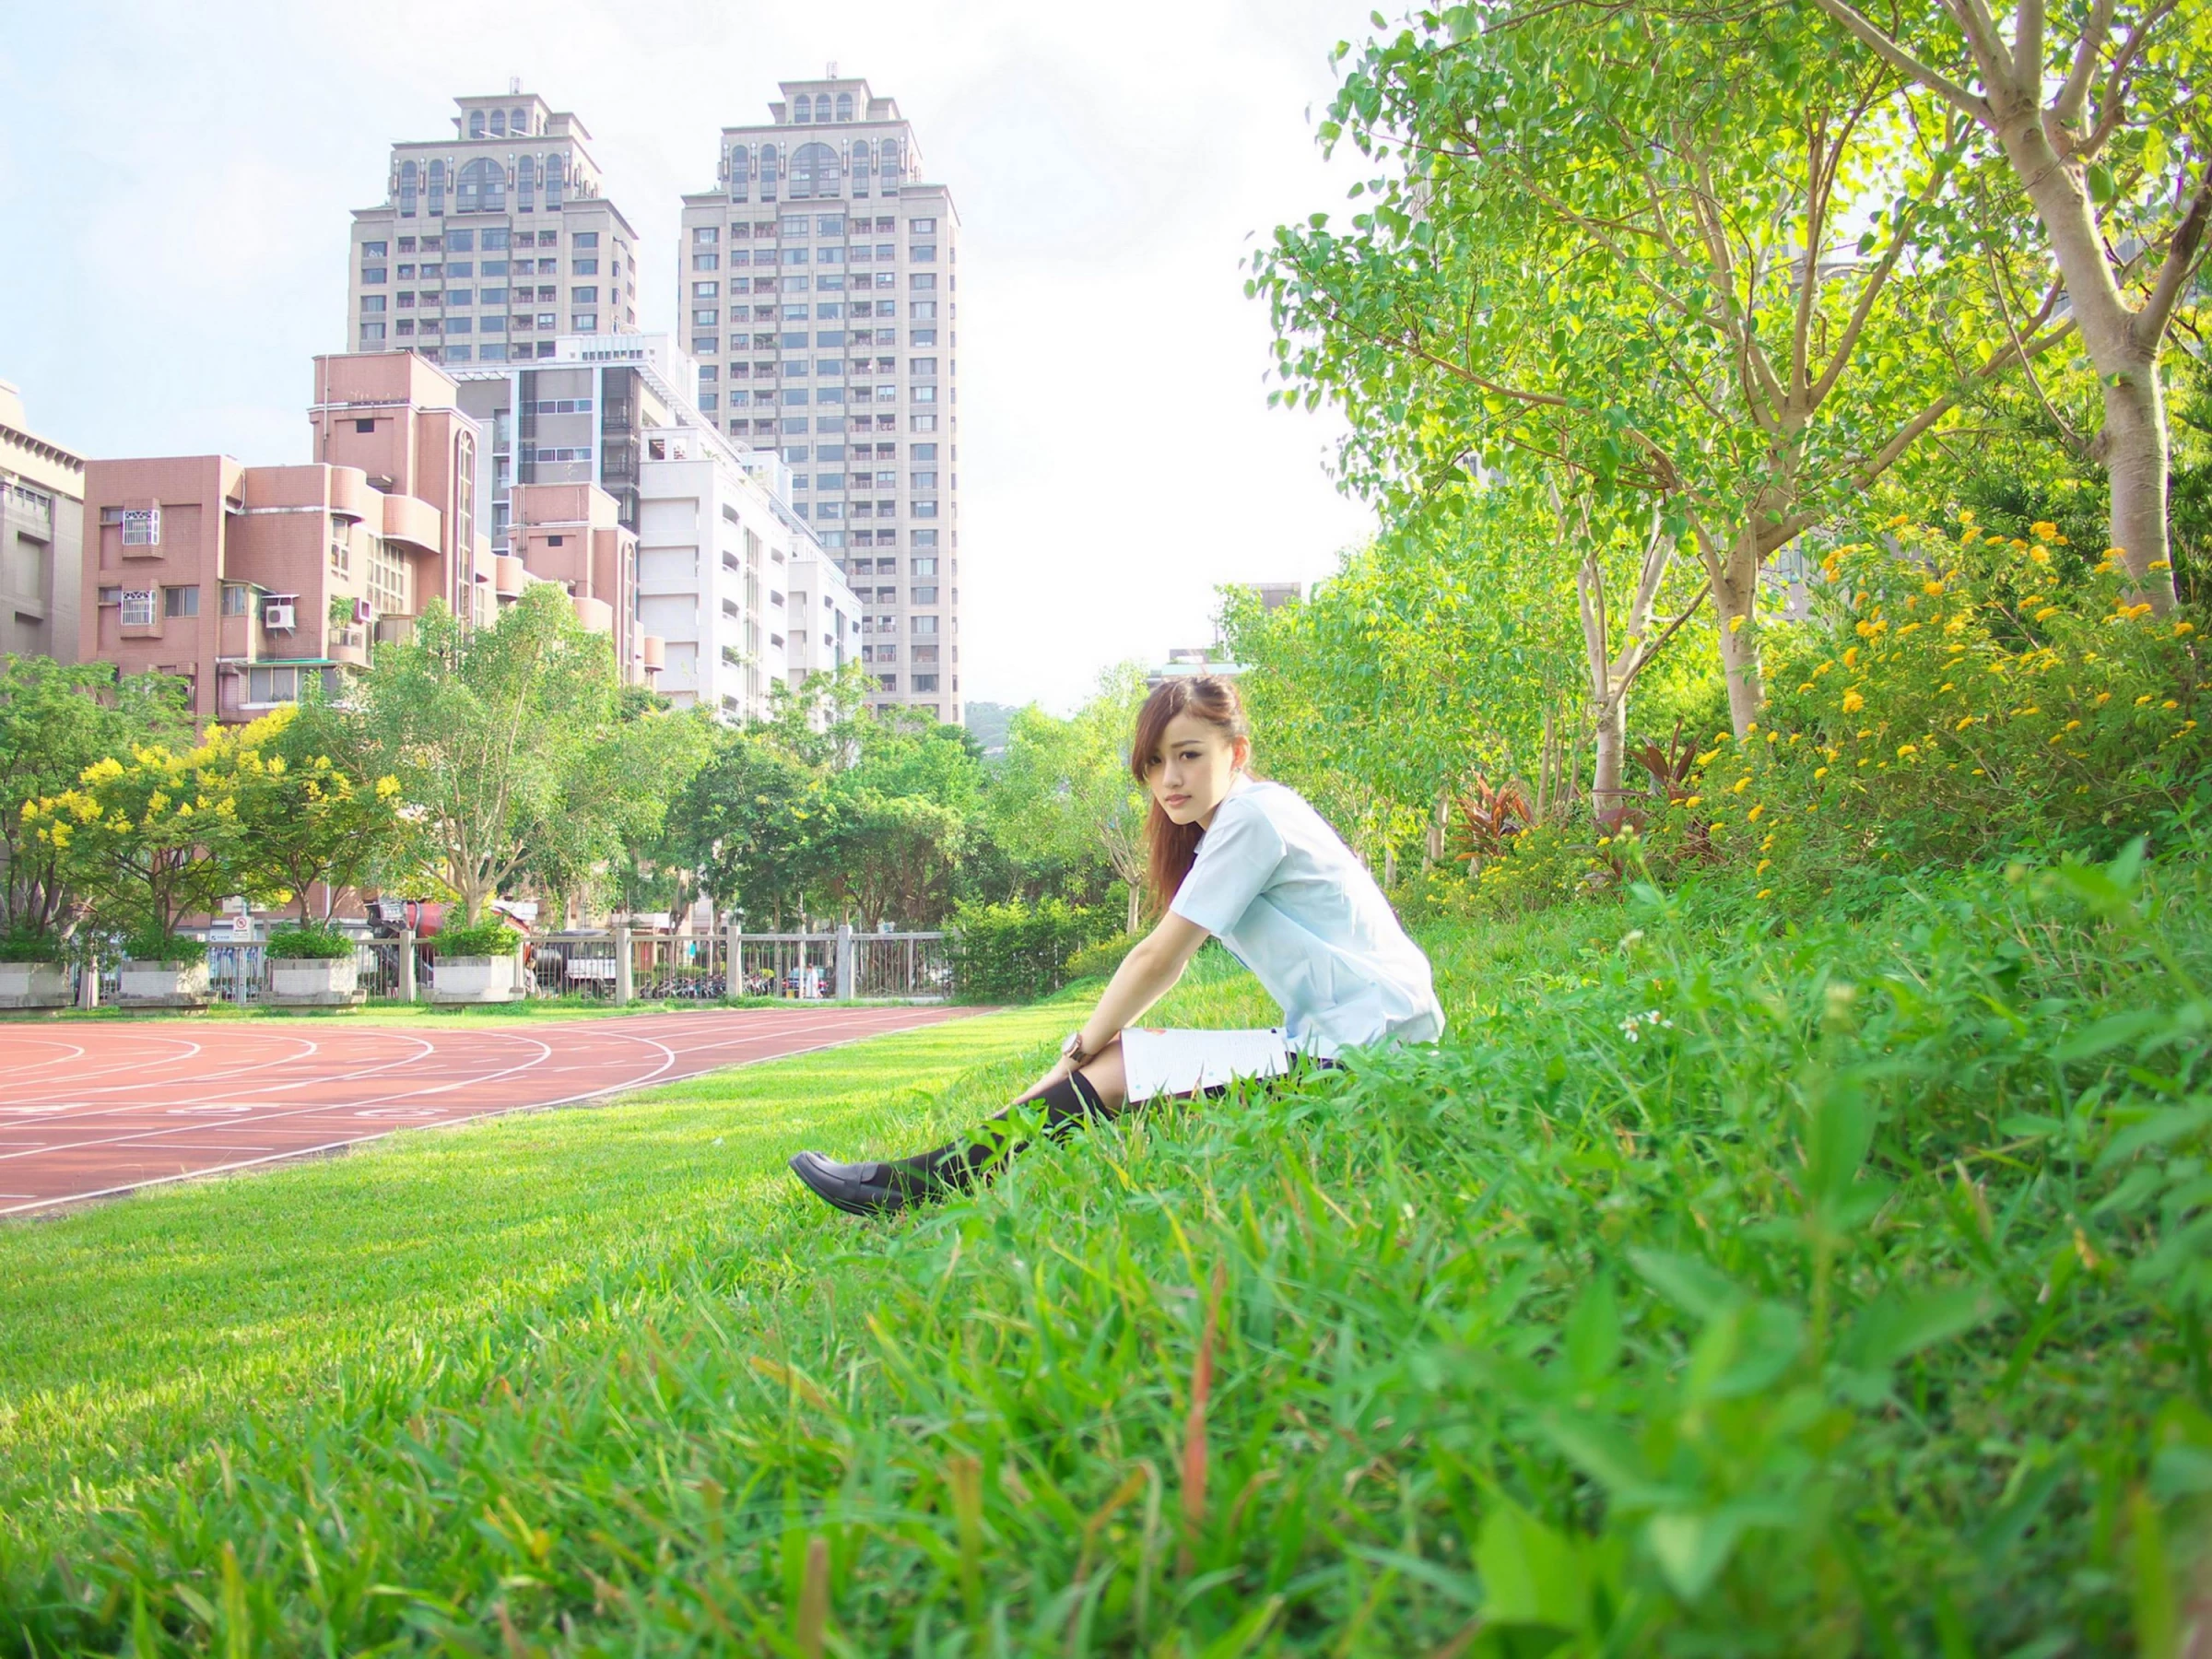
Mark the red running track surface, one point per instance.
(90, 1111)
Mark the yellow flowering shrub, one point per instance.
(1946, 699)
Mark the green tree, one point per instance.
(1062, 798)
(2098, 109)
(1619, 259)
(315, 811)
(55, 721)
(156, 836)
(498, 736)
(751, 822)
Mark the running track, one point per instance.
(88, 1112)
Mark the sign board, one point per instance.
(592, 968)
(242, 927)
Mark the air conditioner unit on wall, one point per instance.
(362, 611)
(280, 613)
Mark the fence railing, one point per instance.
(622, 965)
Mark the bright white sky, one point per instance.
(176, 183)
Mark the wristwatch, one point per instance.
(1072, 1051)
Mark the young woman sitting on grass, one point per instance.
(1235, 857)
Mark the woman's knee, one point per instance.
(1105, 1075)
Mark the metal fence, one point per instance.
(625, 966)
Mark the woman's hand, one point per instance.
(1060, 1069)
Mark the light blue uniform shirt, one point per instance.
(1276, 885)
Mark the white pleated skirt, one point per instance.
(1156, 1061)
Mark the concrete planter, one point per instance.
(35, 985)
(475, 980)
(163, 985)
(313, 982)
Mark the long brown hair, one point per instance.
(1172, 846)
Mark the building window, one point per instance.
(137, 607)
(924, 625)
(275, 684)
(922, 253)
(844, 106)
(142, 528)
(584, 268)
(371, 334)
(585, 239)
(408, 176)
(238, 599)
(372, 274)
(583, 295)
(922, 394)
(926, 481)
(480, 187)
(920, 423)
(387, 580)
(438, 187)
(921, 280)
(180, 601)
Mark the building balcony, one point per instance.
(350, 646)
(596, 614)
(394, 630)
(351, 496)
(656, 654)
(416, 523)
(509, 576)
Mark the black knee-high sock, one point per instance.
(1069, 1102)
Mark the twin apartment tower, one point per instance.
(772, 491)
(818, 313)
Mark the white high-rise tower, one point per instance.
(820, 296)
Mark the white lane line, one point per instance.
(89, 1109)
(132, 1059)
(74, 1053)
(282, 1116)
(355, 1140)
(310, 1049)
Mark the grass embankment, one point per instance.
(1723, 1285)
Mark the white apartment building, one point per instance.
(819, 291)
(492, 243)
(731, 578)
(41, 537)
(718, 538)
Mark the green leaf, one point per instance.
(1900, 1323)
(1530, 1574)
(1694, 1286)
(1692, 1548)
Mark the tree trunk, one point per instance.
(1735, 578)
(1135, 908)
(1389, 868)
(1606, 792)
(2134, 444)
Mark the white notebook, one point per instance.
(1159, 1062)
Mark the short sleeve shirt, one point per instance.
(1280, 890)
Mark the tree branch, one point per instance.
(1871, 36)
(2148, 327)
(2073, 97)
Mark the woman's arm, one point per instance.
(1145, 975)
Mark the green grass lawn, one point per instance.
(1728, 1281)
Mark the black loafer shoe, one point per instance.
(858, 1189)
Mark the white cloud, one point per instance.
(185, 177)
